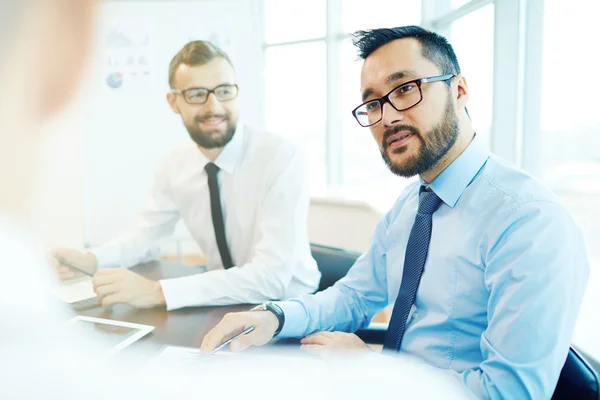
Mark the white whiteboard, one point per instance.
(129, 129)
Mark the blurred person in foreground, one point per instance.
(44, 45)
(484, 268)
(242, 193)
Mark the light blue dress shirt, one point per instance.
(501, 289)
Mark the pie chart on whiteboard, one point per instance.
(114, 80)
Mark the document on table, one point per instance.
(189, 358)
(183, 354)
(79, 293)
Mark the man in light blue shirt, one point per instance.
(486, 279)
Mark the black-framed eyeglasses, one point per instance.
(403, 97)
(200, 95)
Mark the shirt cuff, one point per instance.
(175, 291)
(296, 319)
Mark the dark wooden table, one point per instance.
(184, 327)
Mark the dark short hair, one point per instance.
(198, 52)
(434, 47)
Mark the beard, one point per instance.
(440, 140)
(212, 138)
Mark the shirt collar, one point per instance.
(452, 182)
(231, 154)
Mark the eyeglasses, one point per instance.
(403, 97)
(200, 95)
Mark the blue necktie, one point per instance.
(414, 262)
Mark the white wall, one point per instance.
(101, 155)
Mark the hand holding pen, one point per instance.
(73, 263)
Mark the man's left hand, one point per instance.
(121, 286)
(324, 343)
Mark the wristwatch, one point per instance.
(275, 309)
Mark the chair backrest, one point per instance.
(577, 380)
(333, 263)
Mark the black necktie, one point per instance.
(414, 262)
(217, 214)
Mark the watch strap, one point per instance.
(276, 310)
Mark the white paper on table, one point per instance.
(190, 358)
(184, 358)
(75, 290)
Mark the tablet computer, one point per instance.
(112, 336)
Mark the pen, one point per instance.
(225, 343)
(68, 264)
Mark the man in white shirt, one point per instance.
(242, 193)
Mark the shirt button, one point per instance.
(415, 315)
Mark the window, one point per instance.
(295, 78)
(296, 102)
(459, 3)
(286, 20)
(472, 37)
(297, 91)
(570, 140)
(360, 15)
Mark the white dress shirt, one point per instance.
(263, 183)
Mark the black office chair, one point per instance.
(577, 379)
(333, 263)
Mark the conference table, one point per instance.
(188, 326)
(183, 327)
